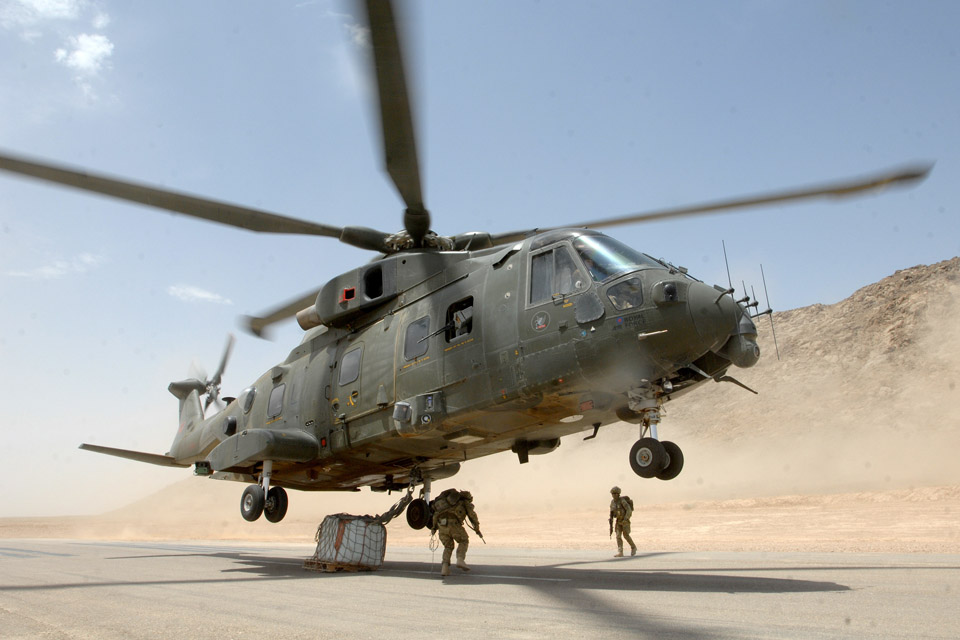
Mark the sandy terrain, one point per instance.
(851, 446)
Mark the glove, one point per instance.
(479, 534)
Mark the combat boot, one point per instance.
(445, 568)
(633, 551)
(462, 556)
(618, 554)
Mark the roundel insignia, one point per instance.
(541, 321)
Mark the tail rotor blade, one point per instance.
(223, 360)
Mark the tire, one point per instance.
(674, 461)
(647, 457)
(251, 503)
(276, 505)
(418, 513)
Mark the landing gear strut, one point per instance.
(651, 458)
(418, 511)
(262, 499)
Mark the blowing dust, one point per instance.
(851, 443)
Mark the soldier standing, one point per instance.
(451, 508)
(620, 511)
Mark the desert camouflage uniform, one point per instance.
(449, 523)
(620, 512)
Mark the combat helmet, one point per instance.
(615, 491)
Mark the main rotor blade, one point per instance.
(207, 209)
(906, 176)
(396, 120)
(258, 325)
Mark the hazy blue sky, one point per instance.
(529, 114)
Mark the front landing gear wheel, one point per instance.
(674, 461)
(251, 502)
(418, 513)
(275, 506)
(647, 457)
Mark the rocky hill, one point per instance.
(886, 359)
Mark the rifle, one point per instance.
(476, 531)
(611, 526)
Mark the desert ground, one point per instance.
(850, 446)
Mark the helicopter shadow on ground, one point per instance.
(626, 574)
(617, 574)
(583, 589)
(570, 589)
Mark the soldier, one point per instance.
(450, 509)
(620, 511)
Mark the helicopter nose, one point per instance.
(714, 314)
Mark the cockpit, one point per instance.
(557, 271)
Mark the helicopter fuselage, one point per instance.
(425, 359)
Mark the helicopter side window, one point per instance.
(459, 319)
(554, 273)
(570, 278)
(246, 398)
(275, 406)
(350, 366)
(626, 295)
(541, 277)
(415, 343)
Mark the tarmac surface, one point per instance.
(110, 589)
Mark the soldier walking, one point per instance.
(620, 511)
(450, 509)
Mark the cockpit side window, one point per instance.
(554, 273)
(541, 277)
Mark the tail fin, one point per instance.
(191, 414)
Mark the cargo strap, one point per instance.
(396, 509)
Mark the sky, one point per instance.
(528, 114)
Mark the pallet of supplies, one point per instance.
(349, 543)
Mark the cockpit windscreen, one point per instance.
(605, 257)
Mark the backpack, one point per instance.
(446, 500)
(629, 501)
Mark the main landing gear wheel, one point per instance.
(674, 461)
(251, 502)
(648, 457)
(275, 506)
(418, 513)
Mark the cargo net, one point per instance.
(353, 543)
(349, 543)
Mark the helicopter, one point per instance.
(444, 349)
